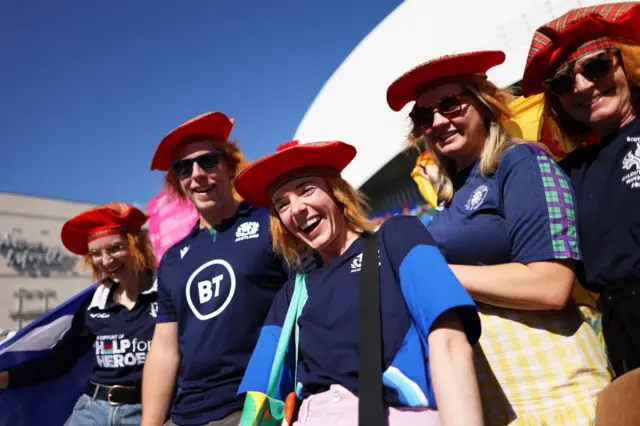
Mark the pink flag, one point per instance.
(170, 220)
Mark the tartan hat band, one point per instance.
(576, 33)
(586, 49)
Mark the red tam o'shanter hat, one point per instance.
(577, 33)
(110, 219)
(407, 87)
(214, 124)
(293, 160)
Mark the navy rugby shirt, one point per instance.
(524, 212)
(218, 286)
(606, 178)
(416, 287)
(120, 338)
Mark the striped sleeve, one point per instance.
(539, 207)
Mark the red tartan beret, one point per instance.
(576, 33)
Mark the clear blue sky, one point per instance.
(89, 87)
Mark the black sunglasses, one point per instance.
(448, 106)
(593, 69)
(208, 162)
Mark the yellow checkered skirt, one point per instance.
(539, 368)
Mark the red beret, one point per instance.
(113, 218)
(214, 124)
(576, 33)
(292, 160)
(405, 88)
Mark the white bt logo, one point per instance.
(205, 288)
(210, 289)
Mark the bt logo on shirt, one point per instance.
(210, 289)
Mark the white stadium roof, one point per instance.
(352, 104)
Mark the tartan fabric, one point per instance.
(539, 368)
(590, 46)
(574, 34)
(560, 206)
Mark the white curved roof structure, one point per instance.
(352, 104)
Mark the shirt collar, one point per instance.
(101, 296)
(244, 209)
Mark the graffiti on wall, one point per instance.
(34, 258)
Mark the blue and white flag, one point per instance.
(48, 403)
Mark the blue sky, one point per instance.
(89, 87)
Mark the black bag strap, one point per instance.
(371, 404)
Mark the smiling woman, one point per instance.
(506, 224)
(587, 64)
(118, 321)
(423, 304)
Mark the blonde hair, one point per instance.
(144, 259)
(231, 154)
(573, 133)
(496, 101)
(353, 206)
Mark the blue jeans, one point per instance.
(94, 412)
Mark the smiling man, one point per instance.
(215, 286)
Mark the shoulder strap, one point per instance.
(301, 301)
(285, 335)
(371, 404)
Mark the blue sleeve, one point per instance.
(256, 376)
(539, 207)
(166, 308)
(429, 286)
(61, 359)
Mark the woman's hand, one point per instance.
(429, 172)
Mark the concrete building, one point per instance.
(352, 104)
(36, 272)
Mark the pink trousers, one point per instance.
(339, 407)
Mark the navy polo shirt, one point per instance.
(606, 178)
(119, 337)
(218, 286)
(524, 212)
(416, 287)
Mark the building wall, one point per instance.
(36, 272)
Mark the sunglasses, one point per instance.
(208, 162)
(593, 69)
(449, 107)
